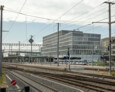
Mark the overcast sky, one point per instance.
(72, 14)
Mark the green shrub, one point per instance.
(2, 78)
(113, 74)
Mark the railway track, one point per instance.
(78, 81)
(65, 71)
(30, 82)
(100, 83)
(81, 83)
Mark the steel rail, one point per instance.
(33, 81)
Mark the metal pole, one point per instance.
(109, 38)
(58, 44)
(109, 3)
(92, 54)
(1, 8)
(19, 48)
(69, 58)
(19, 52)
(9, 49)
(31, 51)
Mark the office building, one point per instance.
(84, 45)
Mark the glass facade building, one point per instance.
(84, 45)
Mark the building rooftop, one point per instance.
(63, 32)
(108, 38)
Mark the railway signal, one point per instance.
(31, 41)
(13, 82)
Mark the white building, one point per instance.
(84, 45)
(105, 42)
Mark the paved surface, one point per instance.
(77, 68)
(56, 85)
(52, 84)
(66, 66)
(18, 87)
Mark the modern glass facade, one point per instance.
(80, 44)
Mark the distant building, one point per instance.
(33, 54)
(105, 44)
(13, 49)
(83, 45)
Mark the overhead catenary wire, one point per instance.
(74, 22)
(90, 23)
(89, 18)
(62, 14)
(41, 18)
(95, 21)
(86, 19)
(4, 2)
(79, 18)
(52, 19)
(28, 15)
(59, 17)
(44, 17)
(89, 13)
(67, 21)
(85, 14)
(70, 9)
(16, 17)
(18, 14)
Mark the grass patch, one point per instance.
(113, 74)
(100, 63)
(2, 79)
